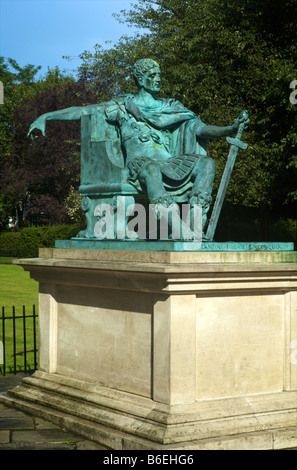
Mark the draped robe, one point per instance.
(166, 134)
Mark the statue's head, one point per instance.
(141, 67)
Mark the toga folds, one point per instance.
(165, 134)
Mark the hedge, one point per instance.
(27, 241)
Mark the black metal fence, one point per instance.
(18, 341)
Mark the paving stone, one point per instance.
(21, 431)
(14, 423)
(4, 437)
(44, 436)
(9, 412)
(88, 445)
(42, 424)
(35, 446)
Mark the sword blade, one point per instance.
(213, 221)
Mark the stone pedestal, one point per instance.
(164, 350)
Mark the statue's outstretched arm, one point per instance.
(208, 132)
(69, 114)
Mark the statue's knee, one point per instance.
(150, 169)
(205, 165)
(209, 164)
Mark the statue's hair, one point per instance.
(142, 66)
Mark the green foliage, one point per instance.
(73, 206)
(19, 84)
(250, 224)
(9, 242)
(219, 57)
(35, 177)
(27, 241)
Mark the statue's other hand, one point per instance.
(38, 124)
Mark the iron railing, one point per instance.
(16, 335)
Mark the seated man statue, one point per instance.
(164, 143)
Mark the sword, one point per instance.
(236, 144)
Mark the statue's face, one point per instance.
(151, 80)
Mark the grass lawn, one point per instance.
(17, 289)
(6, 259)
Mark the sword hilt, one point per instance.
(236, 141)
(241, 126)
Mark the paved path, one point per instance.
(21, 431)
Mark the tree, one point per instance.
(19, 84)
(219, 57)
(37, 176)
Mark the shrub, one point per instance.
(9, 242)
(27, 241)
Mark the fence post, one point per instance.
(3, 337)
(14, 339)
(25, 342)
(34, 337)
(1, 353)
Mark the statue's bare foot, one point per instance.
(164, 200)
(204, 199)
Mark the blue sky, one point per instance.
(40, 32)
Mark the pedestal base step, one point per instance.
(123, 421)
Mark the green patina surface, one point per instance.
(141, 144)
(178, 246)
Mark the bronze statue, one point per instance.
(158, 143)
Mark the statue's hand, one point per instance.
(243, 118)
(38, 124)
